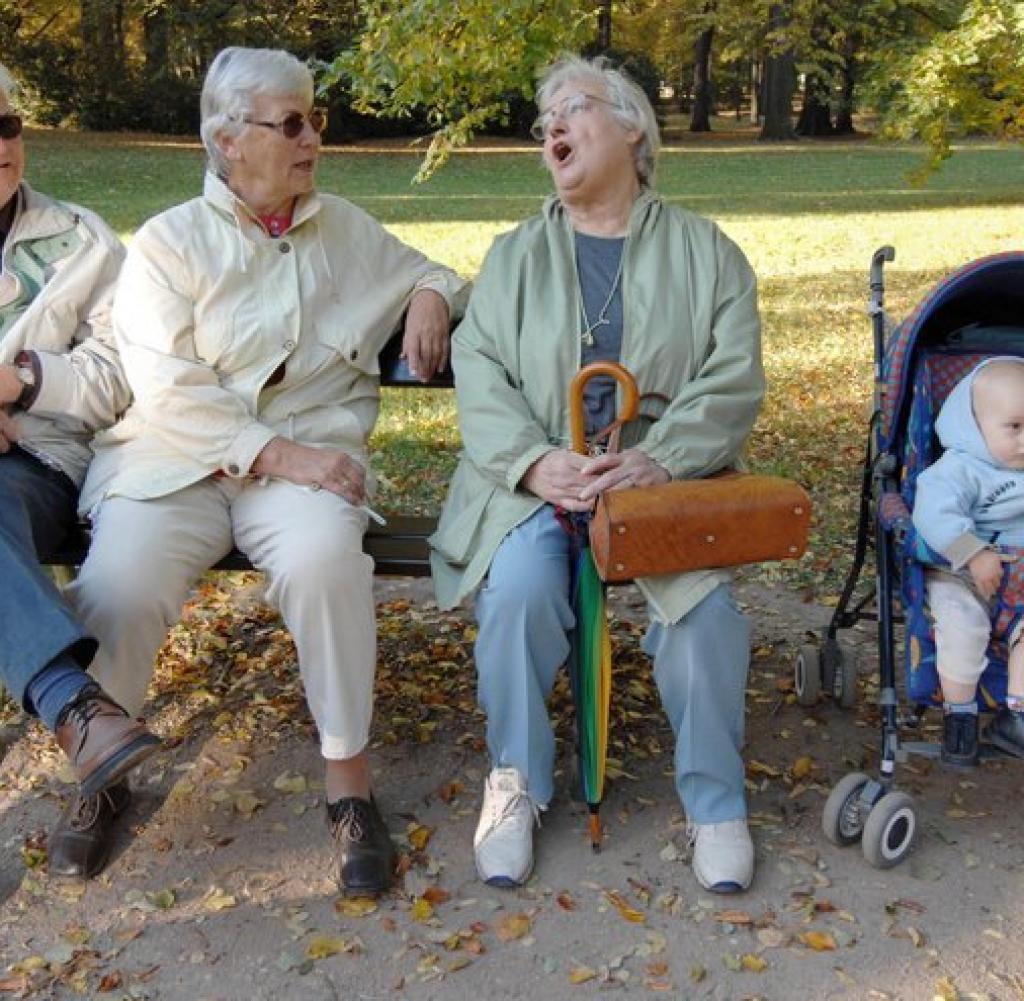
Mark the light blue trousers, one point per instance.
(525, 616)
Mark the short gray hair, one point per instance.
(8, 85)
(630, 105)
(234, 80)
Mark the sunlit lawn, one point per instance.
(808, 216)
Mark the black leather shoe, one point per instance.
(366, 854)
(1006, 731)
(102, 742)
(80, 843)
(960, 740)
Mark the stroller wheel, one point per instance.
(889, 831)
(846, 676)
(807, 674)
(842, 820)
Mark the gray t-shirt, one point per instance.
(597, 263)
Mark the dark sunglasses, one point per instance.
(10, 126)
(294, 122)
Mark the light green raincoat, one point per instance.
(691, 337)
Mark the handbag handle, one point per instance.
(577, 418)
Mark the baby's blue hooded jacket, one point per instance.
(966, 501)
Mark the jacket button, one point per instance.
(355, 354)
(284, 247)
(233, 470)
(289, 345)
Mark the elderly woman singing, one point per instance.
(249, 321)
(606, 271)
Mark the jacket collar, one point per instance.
(645, 208)
(222, 198)
(38, 217)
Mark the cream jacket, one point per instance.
(209, 306)
(81, 384)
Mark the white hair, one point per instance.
(8, 85)
(235, 79)
(630, 105)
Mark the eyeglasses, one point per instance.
(568, 107)
(294, 122)
(10, 126)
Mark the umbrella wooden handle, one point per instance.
(577, 418)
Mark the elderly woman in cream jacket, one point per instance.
(249, 321)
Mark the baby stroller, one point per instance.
(975, 312)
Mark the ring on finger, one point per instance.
(314, 486)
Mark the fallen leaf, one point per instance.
(513, 926)
(161, 899)
(419, 835)
(946, 990)
(802, 767)
(110, 982)
(436, 895)
(422, 910)
(217, 900)
(819, 941)
(246, 803)
(565, 901)
(323, 946)
(289, 783)
(355, 907)
(698, 974)
(622, 906)
(756, 964)
(915, 936)
(734, 917)
(581, 974)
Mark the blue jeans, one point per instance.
(37, 511)
(525, 615)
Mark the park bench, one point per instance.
(399, 548)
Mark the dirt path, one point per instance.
(222, 888)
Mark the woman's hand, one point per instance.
(986, 570)
(427, 325)
(316, 468)
(558, 478)
(9, 431)
(11, 386)
(618, 470)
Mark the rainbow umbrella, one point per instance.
(590, 659)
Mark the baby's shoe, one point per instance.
(960, 740)
(1006, 731)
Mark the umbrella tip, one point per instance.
(595, 833)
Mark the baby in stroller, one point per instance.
(969, 509)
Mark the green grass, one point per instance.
(808, 216)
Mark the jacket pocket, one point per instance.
(358, 348)
(460, 522)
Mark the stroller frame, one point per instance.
(860, 807)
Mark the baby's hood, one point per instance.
(956, 425)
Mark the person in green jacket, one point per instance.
(606, 271)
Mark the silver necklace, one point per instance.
(587, 333)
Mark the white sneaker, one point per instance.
(723, 855)
(504, 837)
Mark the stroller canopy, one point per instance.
(988, 291)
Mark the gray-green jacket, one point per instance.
(691, 337)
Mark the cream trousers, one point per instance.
(963, 628)
(147, 554)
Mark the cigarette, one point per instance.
(379, 518)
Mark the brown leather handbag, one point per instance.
(723, 521)
(726, 520)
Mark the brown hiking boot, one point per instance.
(102, 742)
(79, 845)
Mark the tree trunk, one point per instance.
(700, 119)
(156, 36)
(779, 82)
(604, 26)
(815, 117)
(756, 82)
(844, 111)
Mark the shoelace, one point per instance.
(85, 708)
(499, 813)
(87, 809)
(352, 821)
